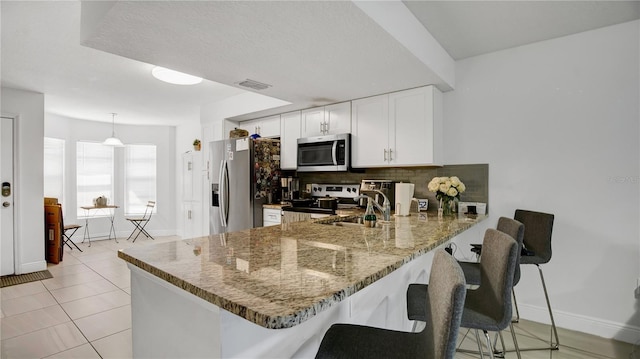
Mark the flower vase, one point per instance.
(449, 206)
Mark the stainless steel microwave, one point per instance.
(324, 153)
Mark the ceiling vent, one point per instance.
(254, 84)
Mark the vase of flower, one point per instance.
(447, 190)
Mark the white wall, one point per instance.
(73, 130)
(557, 121)
(28, 189)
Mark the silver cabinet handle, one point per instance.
(326, 127)
(322, 128)
(385, 155)
(390, 157)
(189, 214)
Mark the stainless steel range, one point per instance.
(327, 199)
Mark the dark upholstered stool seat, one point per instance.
(442, 303)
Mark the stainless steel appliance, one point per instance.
(290, 188)
(245, 173)
(385, 186)
(344, 195)
(324, 153)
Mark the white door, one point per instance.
(6, 196)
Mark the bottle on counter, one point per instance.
(369, 215)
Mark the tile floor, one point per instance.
(84, 311)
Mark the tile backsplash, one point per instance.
(474, 176)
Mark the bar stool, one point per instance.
(66, 238)
(487, 308)
(538, 229)
(441, 308)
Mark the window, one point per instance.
(54, 168)
(139, 178)
(94, 173)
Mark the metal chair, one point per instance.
(141, 222)
(66, 238)
(487, 308)
(538, 229)
(442, 303)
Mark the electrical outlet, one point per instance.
(637, 291)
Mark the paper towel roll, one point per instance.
(404, 194)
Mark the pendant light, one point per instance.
(113, 140)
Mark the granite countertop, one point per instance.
(280, 276)
(274, 205)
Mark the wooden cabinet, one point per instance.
(290, 131)
(265, 127)
(327, 120)
(271, 217)
(398, 129)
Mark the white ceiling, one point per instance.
(312, 52)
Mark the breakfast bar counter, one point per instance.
(273, 291)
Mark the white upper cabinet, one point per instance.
(290, 131)
(265, 127)
(398, 129)
(327, 120)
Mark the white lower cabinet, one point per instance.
(271, 217)
(398, 129)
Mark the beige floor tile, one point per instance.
(22, 290)
(32, 321)
(127, 290)
(105, 323)
(118, 345)
(85, 351)
(58, 271)
(121, 281)
(83, 290)
(112, 272)
(71, 280)
(28, 303)
(114, 262)
(67, 259)
(43, 342)
(95, 304)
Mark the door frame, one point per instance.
(16, 191)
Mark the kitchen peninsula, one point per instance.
(274, 291)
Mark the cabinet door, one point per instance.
(313, 122)
(411, 114)
(370, 128)
(269, 126)
(270, 217)
(290, 130)
(337, 118)
(251, 126)
(187, 176)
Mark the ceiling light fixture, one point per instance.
(174, 77)
(113, 140)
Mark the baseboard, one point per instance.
(603, 328)
(122, 234)
(32, 267)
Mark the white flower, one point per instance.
(461, 187)
(444, 187)
(434, 184)
(455, 181)
(452, 192)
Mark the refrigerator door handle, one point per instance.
(222, 193)
(334, 153)
(226, 194)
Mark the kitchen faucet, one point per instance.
(385, 209)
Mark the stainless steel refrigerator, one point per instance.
(245, 174)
